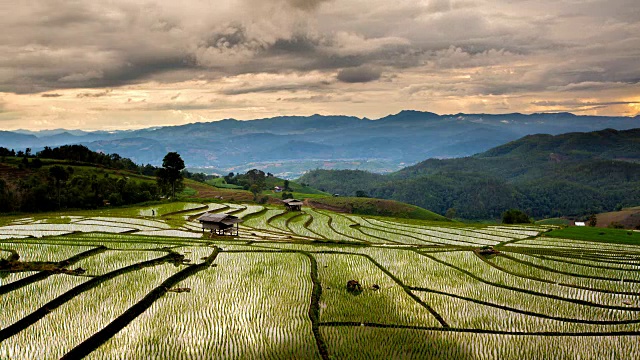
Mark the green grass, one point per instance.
(619, 236)
(379, 207)
(59, 220)
(189, 192)
(220, 183)
(553, 221)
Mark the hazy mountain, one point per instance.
(276, 143)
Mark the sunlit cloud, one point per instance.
(124, 64)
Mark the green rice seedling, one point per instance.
(168, 208)
(101, 305)
(471, 313)
(18, 303)
(296, 225)
(389, 304)
(355, 342)
(279, 222)
(434, 234)
(111, 260)
(210, 207)
(363, 342)
(249, 209)
(320, 225)
(238, 309)
(44, 252)
(485, 283)
(113, 224)
(24, 233)
(7, 277)
(119, 241)
(345, 226)
(575, 244)
(585, 274)
(392, 236)
(260, 222)
(141, 224)
(172, 233)
(37, 230)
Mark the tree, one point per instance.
(170, 175)
(60, 175)
(361, 193)
(515, 216)
(593, 220)
(286, 185)
(451, 213)
(256, 181)
(36, 163)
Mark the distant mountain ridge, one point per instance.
(572, 174)
(380, 145)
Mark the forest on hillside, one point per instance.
(546, 176)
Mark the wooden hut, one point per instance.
(220, 224)
(292, 204)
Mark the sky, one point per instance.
(105, 65)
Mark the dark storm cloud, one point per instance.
(51, 44)
(359, 75)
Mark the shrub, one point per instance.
(615, 225)
(515, 216)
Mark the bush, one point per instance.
(615, 225)
(515, 216)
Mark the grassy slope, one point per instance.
(553, 221)
(220, 183)
(297, 190)
(378, 207)
(619, 236)
(294, 186)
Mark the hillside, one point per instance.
(627, 217)
(547, 176)
(279, 145)
(375, 207)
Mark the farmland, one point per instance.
(155, 286)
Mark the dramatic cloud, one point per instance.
(359, 74)
(359, 57)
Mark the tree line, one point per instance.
(80, 178)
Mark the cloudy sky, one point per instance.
(123, 64)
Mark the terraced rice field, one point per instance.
(157, 287)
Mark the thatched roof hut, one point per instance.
(293, 204)
(220, 224)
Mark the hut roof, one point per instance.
(293, 202)
(219, 218)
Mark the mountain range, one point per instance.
(288, 146)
